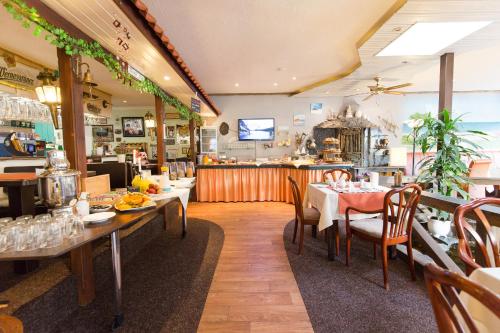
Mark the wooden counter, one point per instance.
(249, 182)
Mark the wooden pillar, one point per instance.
(74, 144)
(446, 83)
(192, 139)
(160, 132)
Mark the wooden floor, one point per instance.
(253, 289)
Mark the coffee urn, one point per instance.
(58, 185)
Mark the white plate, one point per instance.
(98, 217)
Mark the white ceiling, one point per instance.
(226, 42)
(477, 65)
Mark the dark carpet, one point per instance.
(352, 299)
(165, 283)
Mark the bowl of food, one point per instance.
(98, 208)
(134, 201)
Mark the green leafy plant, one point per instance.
(446, 170)
(30, 18)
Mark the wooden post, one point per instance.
(192, 139)
(160, 132)
(74, 144)
(446, 83)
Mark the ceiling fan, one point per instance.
(378, 89)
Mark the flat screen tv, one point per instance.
(261, 129)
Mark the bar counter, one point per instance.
(256, 182)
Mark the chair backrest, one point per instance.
(399, 213)
(297, 199)
(451, 314)
(117, 172)
(96, 185)
(487, 247)
(336, 174)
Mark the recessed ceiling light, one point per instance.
(327, 92)
(294, 78)
(275, 84)
(166, 77)
(357, 89)
(429, 38)
(124, 101)
(236, 84)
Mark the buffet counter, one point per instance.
(256, 182)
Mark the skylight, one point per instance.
(429, 38)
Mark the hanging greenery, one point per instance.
(29, 18)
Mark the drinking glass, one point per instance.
(5, 221)
(173, 171)
(74, 226)
(10, 233)
(55, 232)
(3, 240)
(181, 169)
(20, 239)
(190, 170)
(23, 219)
(31, 231)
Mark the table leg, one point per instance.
(22, 202)
(184, 221)
(331, 241)
(117, 275)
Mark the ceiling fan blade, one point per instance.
(395, 92)
(367, 97)
(399, 86)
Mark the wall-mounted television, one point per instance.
(261, 129)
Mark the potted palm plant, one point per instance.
(446, 171)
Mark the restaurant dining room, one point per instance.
(249, 166)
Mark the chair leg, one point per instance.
(301, 238)
(375, 251)
(337, 239)
(295, 230)
(347, 249)
(384, 266)
(314, 231)
(409, 249)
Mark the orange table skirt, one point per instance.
(251, 184)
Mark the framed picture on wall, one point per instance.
(185, 150)
(104, 133)
(133, 127)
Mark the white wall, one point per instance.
(280, 107)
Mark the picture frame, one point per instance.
(133, 127)
(103, 133)
(185, 150)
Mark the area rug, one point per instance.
(165, 285)
(352, 299)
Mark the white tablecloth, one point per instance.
(485, 320)
(181, 193)
(327, 202)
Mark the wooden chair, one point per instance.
(303, 216)
(393, 228)
(488, 247)
(450, 312)
(336, 174)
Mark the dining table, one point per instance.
(484, 319)
(111, 227)
(332, 202)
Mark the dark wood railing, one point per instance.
(431, 247)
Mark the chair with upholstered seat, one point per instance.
(452, 315)
(487, 247)
(303, 216)
(393, 228)
(336, 174)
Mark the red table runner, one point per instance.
(366, 201)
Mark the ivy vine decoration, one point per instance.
(30, 18)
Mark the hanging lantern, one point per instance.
(149, 120)
(49, 94)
